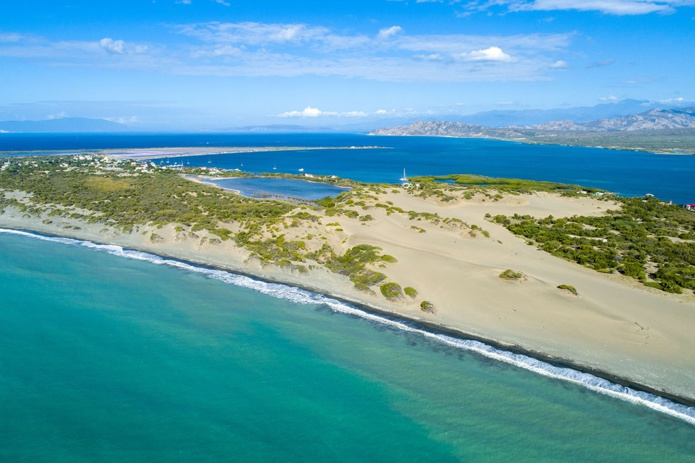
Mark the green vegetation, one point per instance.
(656, 141)
(428, 307)
(511, 275)
(354, 264)
(391, 291)
(569, 288)
(122, 194)
(482, 185)
(645, 239)
(128, 195)
(410, 292)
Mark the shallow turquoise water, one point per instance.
(104, 358)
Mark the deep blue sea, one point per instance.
(669, 177)
(113, 355)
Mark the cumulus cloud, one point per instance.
(316, 112)
(307, 112)
(119, 47)
(389, 32)
(116, 47)
(488, 54)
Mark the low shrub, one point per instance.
(569, 288)
(391, 291)
(428, 307)
(410, 291)
(511, 275)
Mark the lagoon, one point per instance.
(279, 187)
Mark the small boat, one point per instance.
(404, 178)
(301, 169)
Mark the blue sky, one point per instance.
(211, 64)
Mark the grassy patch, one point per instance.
(569, 288)
(511, 275)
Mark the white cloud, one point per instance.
(614, 7)
(609, 99)
(217, 51)
(315, 112)
(307, 112)
(119, 47)
(489, 54)
(560, 64)
(10, 38)
(252, 33)
(116, 47)
(288, 50)
(389, 32)
(223, 2)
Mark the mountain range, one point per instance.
(655, 119)
(656, 130)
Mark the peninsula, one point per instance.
(565, 273)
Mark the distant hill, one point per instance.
(63, 125)
(656, 119)
(525, 117)
(657, 130)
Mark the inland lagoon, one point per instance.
(278, 188)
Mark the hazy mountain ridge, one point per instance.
(668, 131)
(655, 119)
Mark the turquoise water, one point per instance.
(263, 187)
(107, 358)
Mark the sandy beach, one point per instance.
(614, 325)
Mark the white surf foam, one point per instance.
(302, 296)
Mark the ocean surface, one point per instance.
(669, 177)
(109, 355)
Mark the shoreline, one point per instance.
(529, 141)
(614, 328)
(420, 324)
